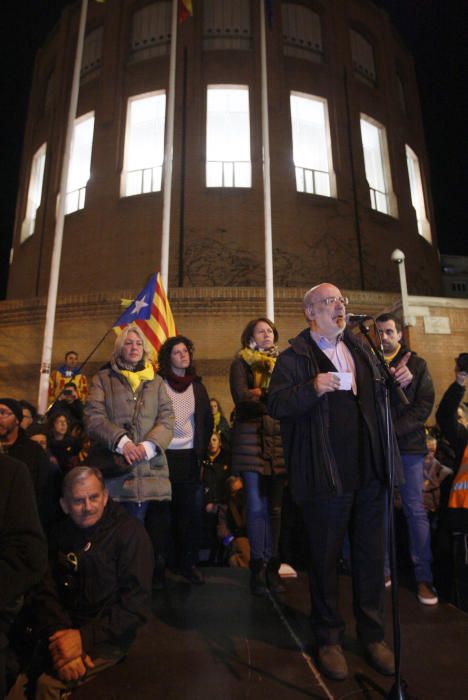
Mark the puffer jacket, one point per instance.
(256, 437)
(114, 410)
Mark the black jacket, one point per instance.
(44, 481)
(409, 419)
(446, 417)
(108, 596)
(215, 474)
(256, 443)
(203, 419)
(23, 549)
(304, 416)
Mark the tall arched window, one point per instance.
(228, 137)
(417, 193)
(377, 165)
(34, 192)
(144, 144)
(311, 145)
(79, 168)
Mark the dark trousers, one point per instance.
(362, 514)
(3, 648)
(156, 517)
(186, 507)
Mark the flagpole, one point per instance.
(78, 371)
(59, 222)
(270, 304)
(168, 152)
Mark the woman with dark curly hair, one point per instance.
(257, 453)
(192, 432)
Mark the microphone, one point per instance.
(357, 318)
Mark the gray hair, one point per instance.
(122, 337)
(78, 474)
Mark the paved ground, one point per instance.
(218, 642)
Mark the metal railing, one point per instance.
(143, 180)
(379, 200)
(307, 181)
(229, 173)
(75, 200)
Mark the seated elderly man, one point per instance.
(23, 549)
(97, 592)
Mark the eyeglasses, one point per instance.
(5, 414)
(328, 301)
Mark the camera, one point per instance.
(462, 362)
(68, 392)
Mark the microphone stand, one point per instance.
(396, 692)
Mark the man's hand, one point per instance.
(325, 382)
(64, 646)
(401, 372)
(255, 393)
(133, 453)
(75, 669)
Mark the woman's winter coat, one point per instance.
(114, 410)
(255, 437)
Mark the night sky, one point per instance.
(435, 32)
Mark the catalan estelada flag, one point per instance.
(151, 312)
(185, 10)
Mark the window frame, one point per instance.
(80, 190)
(417, 192)
(388, 193)
(125, 171)
(228, 162)
(36, 172)
(328, 144)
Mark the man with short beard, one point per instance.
(412, 375)
(15, 443)
(326, 392)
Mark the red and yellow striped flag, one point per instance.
(185, 10)
(151, 312)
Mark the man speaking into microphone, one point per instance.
(326, 390)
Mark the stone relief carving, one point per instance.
(210, 262)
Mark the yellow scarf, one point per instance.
(261, 364)
(136, 378)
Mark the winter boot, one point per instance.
(273, 579)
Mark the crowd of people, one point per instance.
(138, 476)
